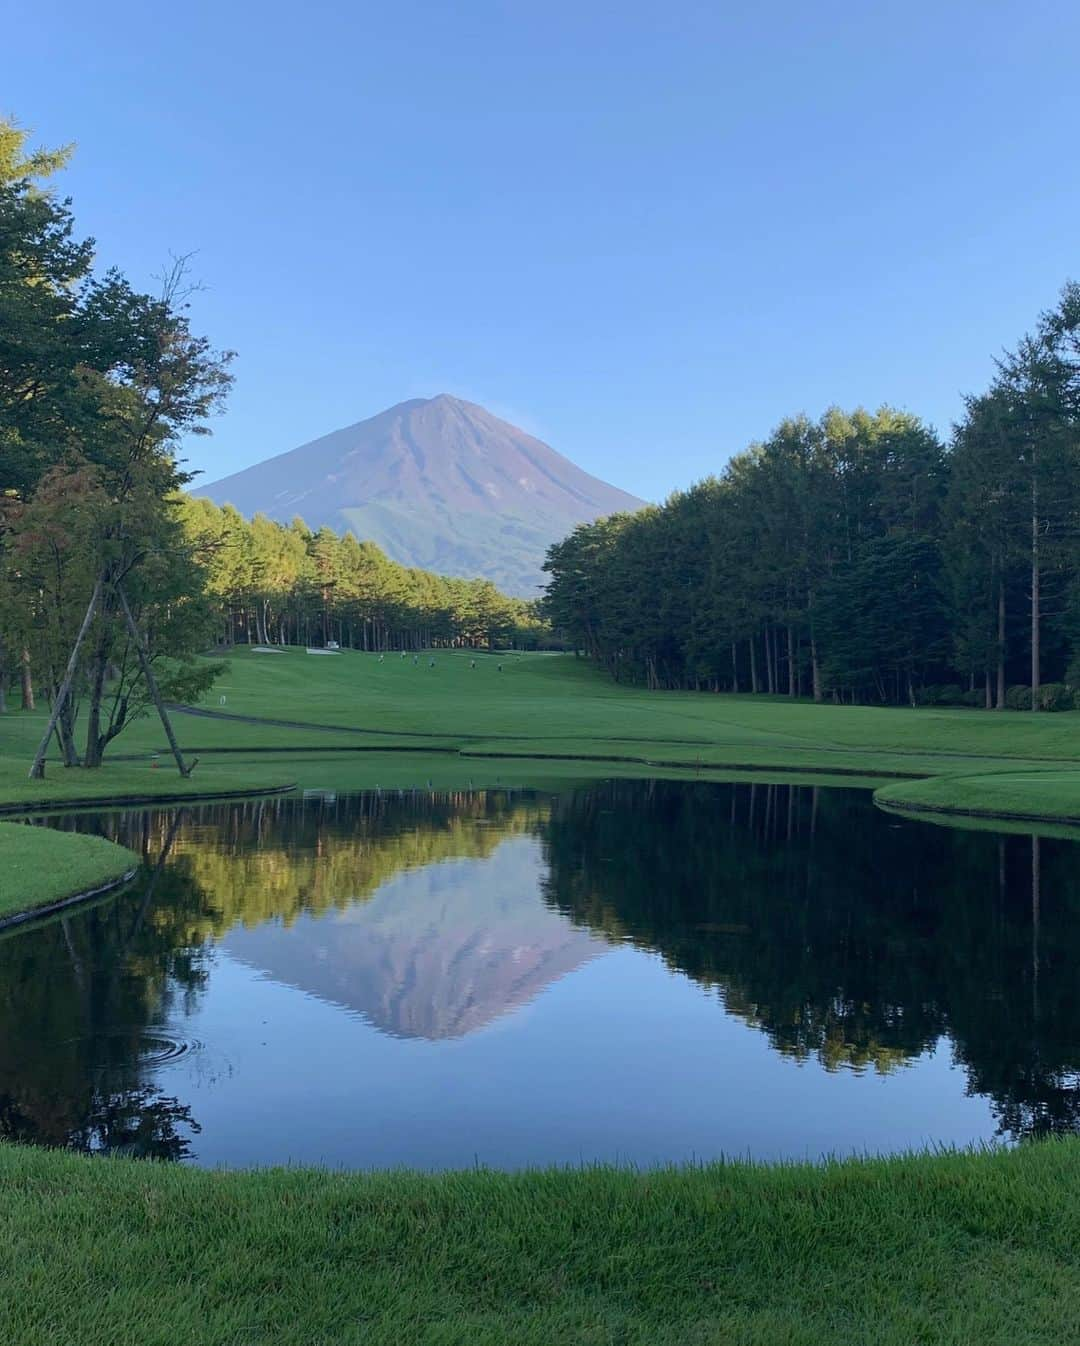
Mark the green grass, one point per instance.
(341, 716)
(39, 866)
(941, 1249)
(951, 1248)
(123, 779)
(1047, 793)
(556, 703)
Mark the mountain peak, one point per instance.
(437, 482)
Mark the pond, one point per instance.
(631, 971)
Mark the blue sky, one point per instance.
(642, 231)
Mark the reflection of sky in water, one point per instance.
(455, 1019)
(445, 980)
(622, 1060)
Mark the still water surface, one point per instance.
(632, 971)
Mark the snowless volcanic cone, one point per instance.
(437, 483)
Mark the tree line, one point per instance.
(112, 581)
(274, 583)
(859, 558)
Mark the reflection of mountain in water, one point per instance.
(437, 952)
(843, 935)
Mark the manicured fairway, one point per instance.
(949, 1249)
(298, 717)
(554, 703)
(39, 866)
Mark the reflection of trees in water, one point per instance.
(283, 857)
(842, 933)
(1017, 1023)
(80, 996)
(140, 1122)
(76, 996)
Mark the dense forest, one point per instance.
(271, 583)
(858, 557)
(112, 581)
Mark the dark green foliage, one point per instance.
(854, 557)
(1056, 696)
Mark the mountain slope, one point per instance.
(437, 483)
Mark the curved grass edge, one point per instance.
(47, 871)
(1040, 797)
(71, 888)
(42, 910)
(15, 808)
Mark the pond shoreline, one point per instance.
(14, 809)
(927, 812)
(45, 909)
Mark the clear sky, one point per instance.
(643, 231)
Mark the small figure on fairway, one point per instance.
(381, 658)
(500, 668)
(431, 664)
(415, 660)
(472, 663)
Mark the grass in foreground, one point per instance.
(948, 1249)
(39, 866)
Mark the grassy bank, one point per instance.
(120, 779)
(1048, 793)
(945, 1249)
(487, 718)
(38, 867)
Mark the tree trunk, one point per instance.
(734, 667)
(815, 669)
(754, 685)
(792, 684)
(95, 744)
(1035, 618)
(27, 681)
(1000, 702)
(151, 682)
(37, 767)
(65, 734)
(1036, 896)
